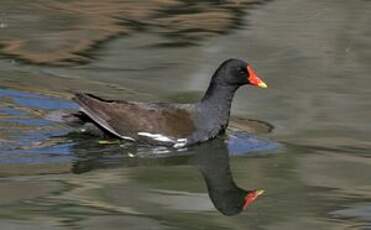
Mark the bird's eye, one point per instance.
(242, 71)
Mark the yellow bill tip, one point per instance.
(262, 85)
(259, 192)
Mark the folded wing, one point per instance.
(127, 119)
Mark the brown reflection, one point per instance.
(62, 32)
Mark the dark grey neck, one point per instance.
(218, 101)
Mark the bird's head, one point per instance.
(238, 72)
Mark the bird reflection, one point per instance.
(211, 158)
(213, 161)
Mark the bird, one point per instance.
(169, 124)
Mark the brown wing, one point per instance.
(126, 119)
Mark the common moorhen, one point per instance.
(170, 124)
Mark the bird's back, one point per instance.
(133, 120)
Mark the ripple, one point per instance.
(66, 33)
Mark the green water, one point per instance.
(314, 165)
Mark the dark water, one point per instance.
(314, 166)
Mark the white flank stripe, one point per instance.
(157, 137)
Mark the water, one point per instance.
(314, 165)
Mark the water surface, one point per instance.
(314, 165)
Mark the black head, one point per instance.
(237, 73)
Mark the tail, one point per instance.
(87, 99)
(74, 119)
(82, 98)
(96, 109)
